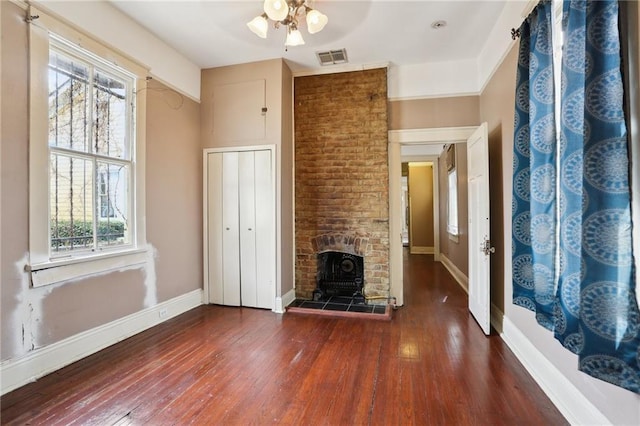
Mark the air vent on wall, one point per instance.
(332, 57)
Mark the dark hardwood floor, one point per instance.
(430, 364)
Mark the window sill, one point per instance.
(454, 238)
(56, 271)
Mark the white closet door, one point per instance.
(247, 201)
(241, 226)
(215, 228)
(265, 230)
(231, 234)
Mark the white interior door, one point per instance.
(215, 229)
(265, 235)
(241, 239)
(231, 230)
(247, 200)
(479, 242)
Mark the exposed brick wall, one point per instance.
(341, 171)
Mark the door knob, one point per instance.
(486, 248)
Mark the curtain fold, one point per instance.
(585, 292)
(597, 311)
(534, 179)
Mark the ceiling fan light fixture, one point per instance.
(259, 25)
(276, 10)
(294, 37)
(287, 13)
(315, 21)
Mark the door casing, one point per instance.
(398, 139)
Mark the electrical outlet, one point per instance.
(162, 313)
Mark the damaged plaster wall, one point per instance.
(36, 308)
(32, 318)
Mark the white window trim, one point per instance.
(43, 267)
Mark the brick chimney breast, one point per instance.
(342, 174)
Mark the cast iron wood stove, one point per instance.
(339, 274)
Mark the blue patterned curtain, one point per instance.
(585, 292)
(534, 179)
(597, 311)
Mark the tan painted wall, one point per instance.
(49, 314)
(287, 251)
(271, 71)
(421, 211)
(174, 189)
(436, 112)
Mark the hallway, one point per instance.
(430, 364)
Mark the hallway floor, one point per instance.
(430, 365)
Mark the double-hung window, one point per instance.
(86, 155)
(90, 152)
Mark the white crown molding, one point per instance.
(335, 69)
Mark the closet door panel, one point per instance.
(231, 236)
(265, 230)
(215, 228)
(247, 202)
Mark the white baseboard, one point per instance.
(421, 250)
(39, 362)
(457, 274)
(573, 405)
(284, 301)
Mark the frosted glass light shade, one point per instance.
(294, 38)
(276, 9)
(259, 26)
(316, 21)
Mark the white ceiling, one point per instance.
(213, 33)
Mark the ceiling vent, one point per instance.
(332, 57)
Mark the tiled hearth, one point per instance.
(337, 306)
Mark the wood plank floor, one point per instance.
(430, 364)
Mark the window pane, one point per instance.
(68, 102)
(71, 203)
(113, 205)
(452, 216)
(110, 111)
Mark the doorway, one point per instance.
(420, 202)
(412, 144)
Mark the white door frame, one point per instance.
(205, 215)
(398, 138)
